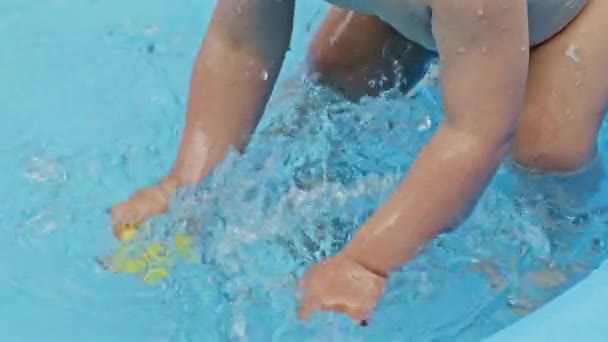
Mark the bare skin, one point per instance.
(500, 96)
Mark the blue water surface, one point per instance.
(93, 95)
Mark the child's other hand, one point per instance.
(340, 285)
(142, 205)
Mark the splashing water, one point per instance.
(310, 178)
(315, 170)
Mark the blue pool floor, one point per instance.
(93, 96)
(576, 315)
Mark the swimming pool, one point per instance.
(93, 95)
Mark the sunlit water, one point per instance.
(93, 95)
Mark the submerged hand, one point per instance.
(142, 205)
(340, 285)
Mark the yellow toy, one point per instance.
(153, 261)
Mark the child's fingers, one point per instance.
(304, 313)
(358, 314)
(120, 213)
(308, 306)
(124, 221)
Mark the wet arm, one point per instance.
(232, 79)
(484, 61)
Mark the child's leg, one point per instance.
(567, 96)
(357, 55)
(566, 99)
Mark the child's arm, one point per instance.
(483, 46)
(233, 77)
(484, 60)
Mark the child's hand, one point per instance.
(142, 205)
(340, 285)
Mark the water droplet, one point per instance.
(574, 54)
(484, 49)
(426, 124)
(480, 11)
(579, 81)
(264, 75)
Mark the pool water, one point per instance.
(93, 96)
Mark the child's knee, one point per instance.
(327, 69)
(321, 61)
(555, 156)
(349, 77)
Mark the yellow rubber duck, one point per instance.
(155, 260)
